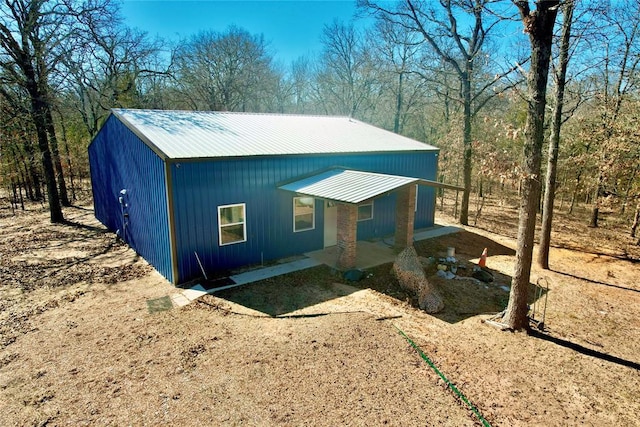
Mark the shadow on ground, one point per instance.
(468, 245)
(282, 295)
(595, 282)
(463, 298)
(584, 350)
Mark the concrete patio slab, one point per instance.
(372, 254)
(368, 254)
(179, 300)
(276, 270)
(436, 232)
(194, 292)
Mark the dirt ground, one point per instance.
(79, 346)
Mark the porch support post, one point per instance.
(405, 216)
(347, 230)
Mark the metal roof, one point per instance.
(206, 134)
(348, 186)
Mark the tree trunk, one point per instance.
(595, 212)
(636, 221)
(67, 153)
(539, 25)
(540, 198)
(556, 124)
(31, 169)
(455, 206)
(563, 194)
(441, 193)
(28, 189)
(38, 114)
(55, 155)
(396, 119)
(13, 200)
(627, 190)
(593, 223)
(21, 197)
(466, 140)
(19, 163)
(572, 204)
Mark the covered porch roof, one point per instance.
(348, 186)
(352, 186)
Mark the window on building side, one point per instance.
(231, 223)
(304, 217)
(365, 211)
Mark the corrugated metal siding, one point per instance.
(119, 160)
(383, 222)
(206, 134)
(200, 187)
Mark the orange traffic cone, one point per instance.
(483, 258)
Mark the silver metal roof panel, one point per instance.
(206, 134)
(348, 186)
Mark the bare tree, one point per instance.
(300, 77)
(27, 31)
(621, 65)
(18, 168)
(229, 71)
(538, 24)
(347, 82)
(456, 30)
(16, 121)
(397, 52)
(35, 36)
(556, 123)
(107, 68)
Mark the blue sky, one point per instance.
(291, 27)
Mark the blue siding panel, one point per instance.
(199, 187)
(120, 160)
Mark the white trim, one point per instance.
(416, 205)
(244, 224)
(313, 214)
(365, 204)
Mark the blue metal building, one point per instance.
(240, 189)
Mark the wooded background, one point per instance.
(449, 73)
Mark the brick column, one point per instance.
(405, 216)
(347, 229)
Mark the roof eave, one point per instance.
(258, 156)
(164, 156)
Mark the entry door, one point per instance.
(330, 224)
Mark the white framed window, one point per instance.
(232, 225)
(304, 213)
(365, 211)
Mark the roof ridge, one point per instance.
(238, 113)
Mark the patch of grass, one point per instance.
(159, 304)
